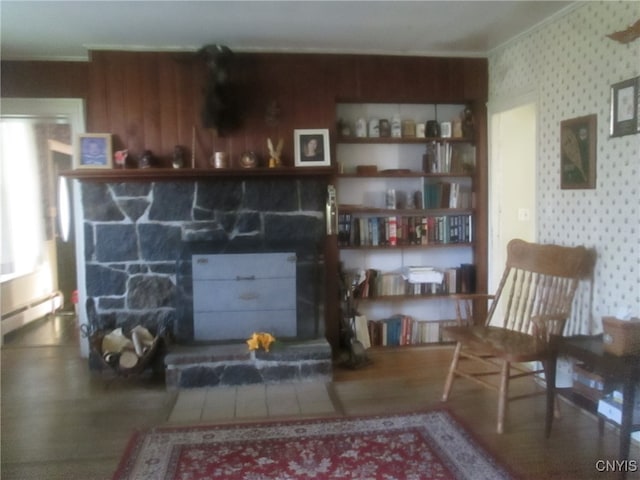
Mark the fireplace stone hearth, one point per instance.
(235, 364)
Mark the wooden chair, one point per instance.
(531, 305)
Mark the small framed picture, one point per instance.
(625, 108)
(578, 152)
(93, 151)
(311, 148)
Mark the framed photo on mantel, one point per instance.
(93, 151)
(311, 148)
(578, 152)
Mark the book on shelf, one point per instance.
(361, 329)
(344, 229)
(467, 278)
(393, 231)
(374, 228)
(453, 279)
(375, 333)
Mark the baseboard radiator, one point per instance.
(31, 311)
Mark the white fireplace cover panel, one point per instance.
(235, 295)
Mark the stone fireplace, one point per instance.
(141, 238)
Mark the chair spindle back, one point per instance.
(539, 282)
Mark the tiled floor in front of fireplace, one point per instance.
(251, 401)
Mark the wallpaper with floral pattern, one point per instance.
(570, 65)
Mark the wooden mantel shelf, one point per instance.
(169, 174)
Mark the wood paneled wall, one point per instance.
(44, 79)
(153, 100)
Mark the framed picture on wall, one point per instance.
(578, 152)
(311, 148)
(93, 151)
(625, 108)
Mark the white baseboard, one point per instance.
(32, 311)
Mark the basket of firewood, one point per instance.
(126, 354)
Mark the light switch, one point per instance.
(524, 214)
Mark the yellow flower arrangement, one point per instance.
(260, 339)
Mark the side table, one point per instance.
(620, 369)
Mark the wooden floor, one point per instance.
(59, 421)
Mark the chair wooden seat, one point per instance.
(530, 306)
(509, 344)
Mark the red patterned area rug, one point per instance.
(417, 446)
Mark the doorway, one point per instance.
(42, 119)
(512, 181)
(60, 160)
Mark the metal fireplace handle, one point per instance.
(250, 277)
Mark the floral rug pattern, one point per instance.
(417, 446)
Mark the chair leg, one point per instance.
(553, 409)
(452, 370)
(502, 396)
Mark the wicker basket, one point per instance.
(95, 342)
(621, 337)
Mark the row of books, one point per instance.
(375, 283)
(400, 330)
(446, 195)
(445, 157)
(403, 230)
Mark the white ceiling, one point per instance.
(67, 30)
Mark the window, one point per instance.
(22, 224)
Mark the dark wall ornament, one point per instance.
(220, 109)
(628, 35)
(625, 108)
(578, 152)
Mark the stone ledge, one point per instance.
(234, 364)
(190, 354)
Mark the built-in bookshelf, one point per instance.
(406, 223)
